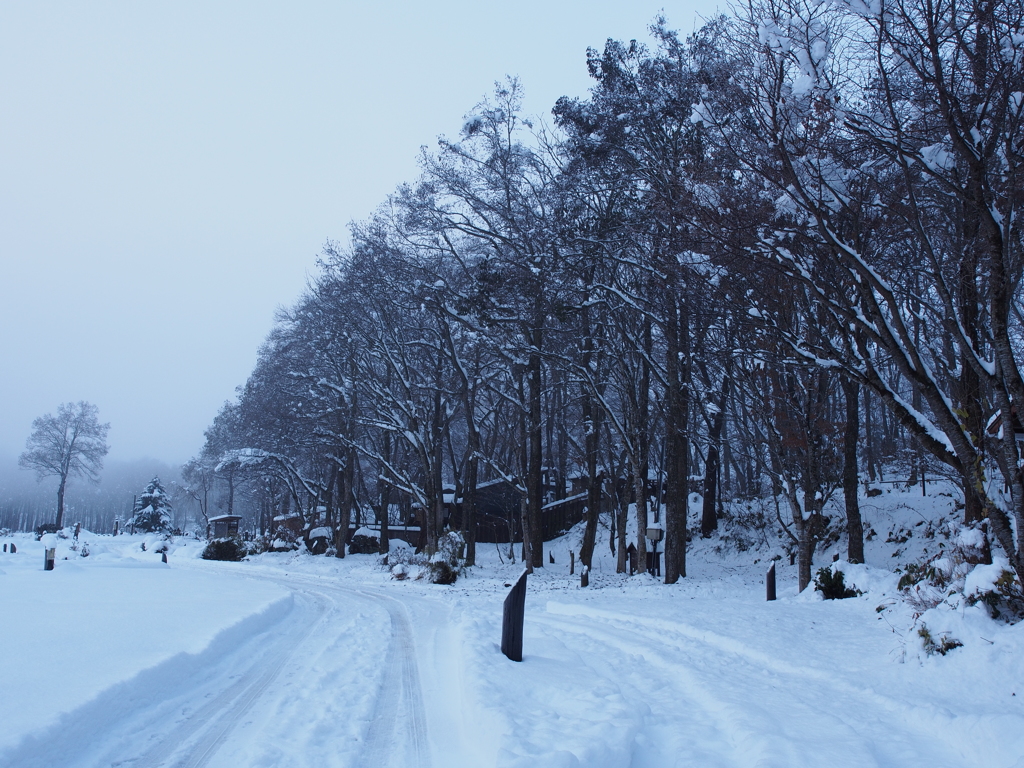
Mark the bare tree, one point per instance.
(70, 444)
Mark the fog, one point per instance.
(25, 503)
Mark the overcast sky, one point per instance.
(169, 175)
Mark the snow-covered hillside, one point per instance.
(291, 660)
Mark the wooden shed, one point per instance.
(225, 525)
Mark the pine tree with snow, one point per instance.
(152, 510)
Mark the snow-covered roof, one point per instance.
(225, 517)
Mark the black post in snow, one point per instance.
(770, 582)
(512, 620)
(51, 555)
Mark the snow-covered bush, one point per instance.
(318, 540)
(404, 562)
(832, 585)
(941, 645)
(400, 572)
(996, 587)
(364, 542)
(284, 539)
(231, 549)
(927, 584)
(449, 560)
(257, 546)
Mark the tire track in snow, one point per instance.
(666, 684)
(399, 694)
(397, 734)
(773, 721)
(214, 721)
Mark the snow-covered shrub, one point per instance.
(943, 645)
(442, 573)
(257, 546)
(364, 542)
(449, 560)
(996, 587)
(743, 526)
(400, 572)
(231, 549)
(932, 582)
(832, 585)
(403, 553)
(318, 540)
(284, 539)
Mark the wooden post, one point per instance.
(572, 562)
(14, 549)
(631, 558)
(50, 556)
(5, 547)
(769, 582)
(585, 577)
(163, 557)
(512, 620)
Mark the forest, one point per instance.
(778, 257)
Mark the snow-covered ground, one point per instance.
(291, 660)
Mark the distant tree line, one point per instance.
(24, 505)
(768, 259)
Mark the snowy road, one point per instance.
(355, 670)
(335, 682)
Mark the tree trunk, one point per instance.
(805, 551)
(854, 525)
(346, 493)
(591, 444)
(534, 489)
(469, 508)
(709, 514)
(677, 453)
(869, 435)
(341, 529)
(60, 501)
(231, 493)
(383, 486)
(642, 441)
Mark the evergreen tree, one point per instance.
(152, 510)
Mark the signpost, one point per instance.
(655, 533)
(513, 619)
